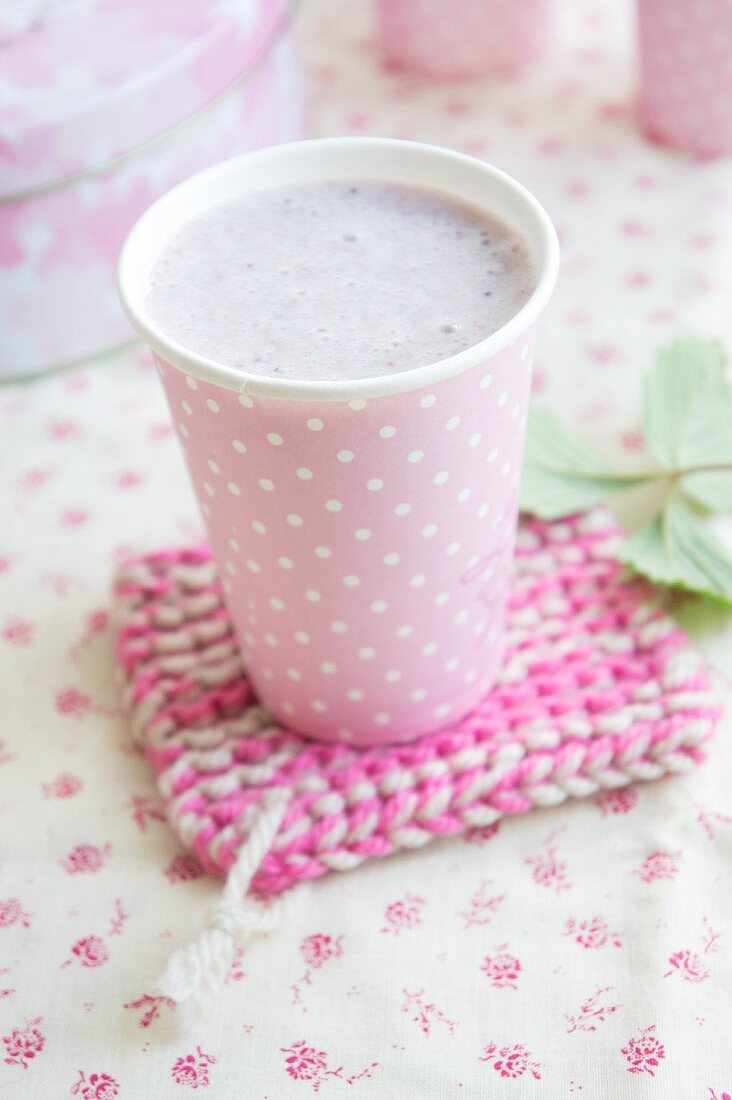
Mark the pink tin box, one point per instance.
(105, 106)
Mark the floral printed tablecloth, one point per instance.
(584, 951)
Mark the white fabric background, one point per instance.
(623, 903)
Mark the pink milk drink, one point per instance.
(344, 330)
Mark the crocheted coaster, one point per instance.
(598, 689)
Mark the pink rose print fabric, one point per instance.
(90, 951)
(644, 1053)
(502, 969)
(97, 1086)
(512, 1061)
(12, 912)
(23, 1044)
(192, 1070)
(580, 952)
(305, 1063)
(316, 949)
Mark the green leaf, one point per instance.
(560, 475)
(687, 419)
(710, 488)
(679, 548)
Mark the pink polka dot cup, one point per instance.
(686, 78)
(465, 38)
(363, 529)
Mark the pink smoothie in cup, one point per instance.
(345, 329)
(338, 279)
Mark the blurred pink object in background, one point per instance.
(686, 73)
(465, 38)
(105, 106)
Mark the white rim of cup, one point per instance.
(391, 160)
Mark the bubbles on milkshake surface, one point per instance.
(338, 279)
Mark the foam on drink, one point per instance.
(338, 279)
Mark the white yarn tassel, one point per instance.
(205, 963)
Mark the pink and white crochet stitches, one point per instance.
(598, 689)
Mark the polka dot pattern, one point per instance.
(364, 544)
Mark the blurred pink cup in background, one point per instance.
(686, 73)
(465, 38)
(363, 529)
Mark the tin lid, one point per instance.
(83, 82)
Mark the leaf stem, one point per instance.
(683, 471)
(649, 475)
